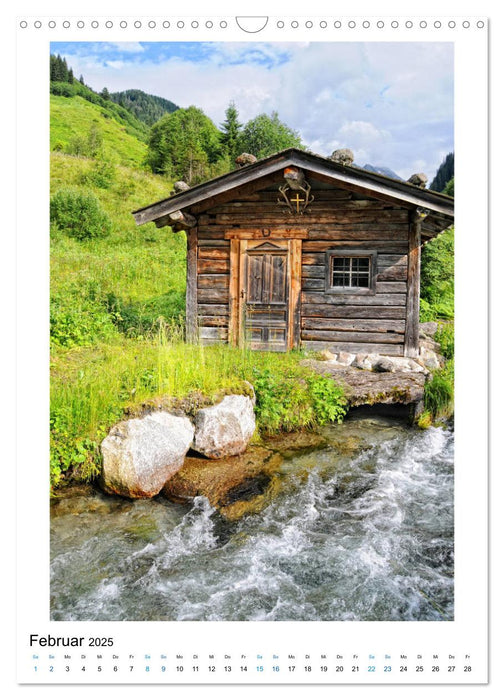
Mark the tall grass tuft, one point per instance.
(439, 395)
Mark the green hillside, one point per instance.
(146, 108)
(109, 294)
(74, 118)
(122, 283)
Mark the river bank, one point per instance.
(361, 529)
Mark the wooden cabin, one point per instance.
(299, 250)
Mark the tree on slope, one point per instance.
(59, 69)
(265, 135)
(231, 131)
(184, 144)
(444, 174)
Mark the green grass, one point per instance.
(92, 388)
(102, 291)
(135, 275)
(445, 336)
(74, 117)
(439, 392)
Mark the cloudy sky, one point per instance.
(391, 103)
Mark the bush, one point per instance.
(63, 89)
(101, 175)
(427, 312)
(72, 455)
(436, 279)
(290, 403)
(89, 145)
(79, 214)
(445, 336)
(78, 319)
(328, 400)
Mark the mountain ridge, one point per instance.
(381, 170)
(144, 106)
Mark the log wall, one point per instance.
(336, 219)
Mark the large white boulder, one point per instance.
(396, 364)
(428, 358)
(141, 454)
(224, 430)
(365, 361)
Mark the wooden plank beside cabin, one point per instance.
(368, 347)
(191, 286)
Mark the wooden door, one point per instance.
(265, 291)
(266, 298)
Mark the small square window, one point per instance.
(352, 273)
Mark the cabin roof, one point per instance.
(440, 206)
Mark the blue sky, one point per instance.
(391, 103)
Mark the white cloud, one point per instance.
(129, 46)
(115, 65)
(391, 103)
(365, 132)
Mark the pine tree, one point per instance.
(444, 174)
(59, 71)
(231, 131)
(81, 79)
(64, 71)
(105, 94)
(56, 68)
(52, 68)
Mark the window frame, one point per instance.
(353, 253)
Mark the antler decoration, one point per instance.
(295, 180)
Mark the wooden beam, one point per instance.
(242, 263)
(353, 299)
(234, 292)
(411, 337)
(295, 248)
(335, 346)
(249, 188)
(191, 286)
(269, 233)
(338, 311)
(352, 336)
(361, 325)
(208, 190)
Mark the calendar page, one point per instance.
(252, 337)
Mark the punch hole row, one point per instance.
(280, 24)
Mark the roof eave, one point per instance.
(197, 194)
(356, 178)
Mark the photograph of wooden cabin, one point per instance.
(239, 252)
(298, 250)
